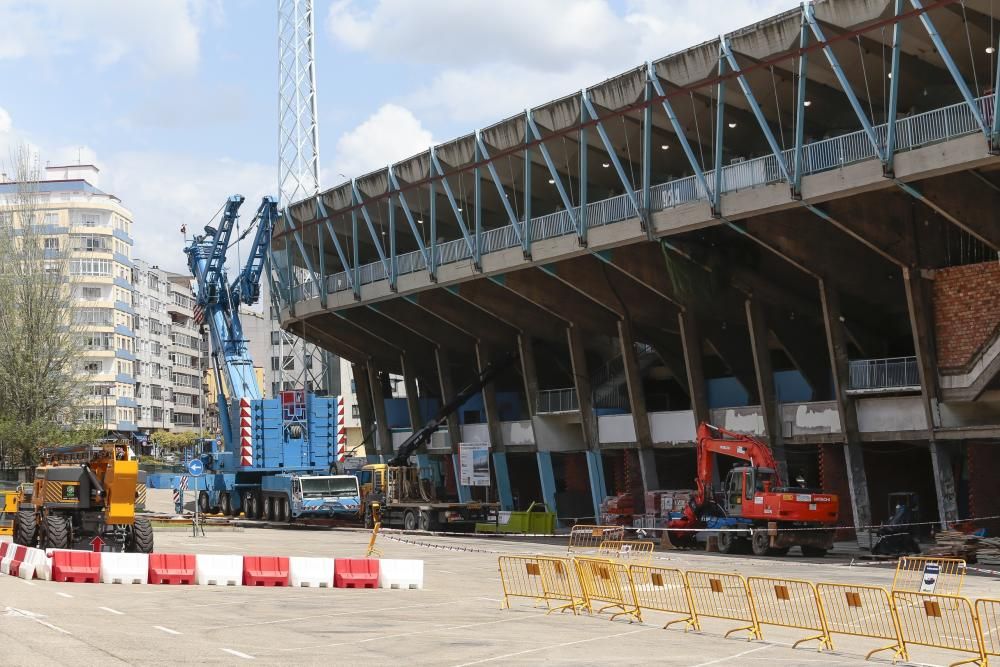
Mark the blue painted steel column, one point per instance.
(698, 169)
(393, 266)
(357, 251)
(464, 492)
(720, 101)
(582, 229)
(322, 265)
(595, 470)
(890, 143)
(527, 189)
(548, 480)
(432, 267)
(503, 481)
(478, 203)
(800, 111)
(424, 461)
(647, 158)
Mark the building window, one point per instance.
(307, 360)
(354, 386)
(92, 366)
(275, 364)
(90, 219)
(51, 243)
(92, 293)
(355, 413)
(275, 338)
(275, 387)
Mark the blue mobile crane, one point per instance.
(276, 455)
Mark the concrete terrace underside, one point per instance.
(814, 291)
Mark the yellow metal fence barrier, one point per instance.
(561, 583)
(861, 611)
(587, 538)
(940, 621)
(788, 603)
(724, 596)
(927, 574)
(609, 582)
(988, 615)
(663, 589)
(625, 551)
(521, 576)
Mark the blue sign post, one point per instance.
(196, 468)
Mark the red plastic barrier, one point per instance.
(355, 573)
(3, 549)
(17, 554)
(265, 571)
(171, 568)
(81, 567)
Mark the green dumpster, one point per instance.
(537, 519)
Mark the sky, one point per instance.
(176, 100)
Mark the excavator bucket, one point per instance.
(120, 490)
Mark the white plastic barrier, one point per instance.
(122, 568)
(216, 570)
(25, 571)
(395, 573)
(5, 561)
(310, 572)
(42, 563)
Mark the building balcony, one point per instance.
(122, 259)
(124, 284)
(124, 354)
(122, 236)
(881, 376)
(124, 330)
(124, 307)
(125, 402)
(124, 378)
(553, 401)
(126, 426)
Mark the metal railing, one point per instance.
(557, 400)
(911, 132)
(880, 375)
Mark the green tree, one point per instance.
(40, 381)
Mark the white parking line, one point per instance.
(64, 595)
(24, 581)
(733, 657)
(167, 630)
(552, 646)
(238, 654)
(112, 611)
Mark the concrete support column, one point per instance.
(526, 350)
(581, 381)
(447, 393)
(412, 399)
(598, 487)
(381, 421)
(637, 399)
(366, 412)
(547, 479)
(502, 475)
(765, 384)
(691, 342)
(922, 328)
(857, 479)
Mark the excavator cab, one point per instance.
(743, 483)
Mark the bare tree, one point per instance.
(40, 342)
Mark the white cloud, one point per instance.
(5, 121)
(485, 61)
(390, 134)
(158, 37)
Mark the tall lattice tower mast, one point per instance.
(298, 363)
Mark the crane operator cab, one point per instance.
(743, 483)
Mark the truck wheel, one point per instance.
(203, 504)
(25, 528)
(282, 510)
(248, 505)
(425, 521)
(227, 504)
(142, 537)
(813, 552)
(258, 506)
(271, 513)
(57, 532)
(410, 520)
(727, 543)
(761, 543)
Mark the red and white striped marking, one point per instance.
(246, 434)
(341, 431)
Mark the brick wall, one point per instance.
(966, 312)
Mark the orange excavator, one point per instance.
(754, 509)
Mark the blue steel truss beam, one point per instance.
(360, 202)
(720, 107)
(432, 267)
(727, 52)
(890, 141)
(356, 247)
(514, 222)
(581, 229)
(321, 214)
(553, 172)
(393, 264)
(698, 169)
(613, 155)
(321, 252)
(956, 74)
(394, 186)
(296, 234)
(459, 218)
(477, 204)
(845, 85)
(800, 110)
(647, 156)
(527, 188)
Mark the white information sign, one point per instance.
(474, 463)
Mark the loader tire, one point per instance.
(25, 528)
(58, 532)
(760, 542)
(227, 504)
(142, 537)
